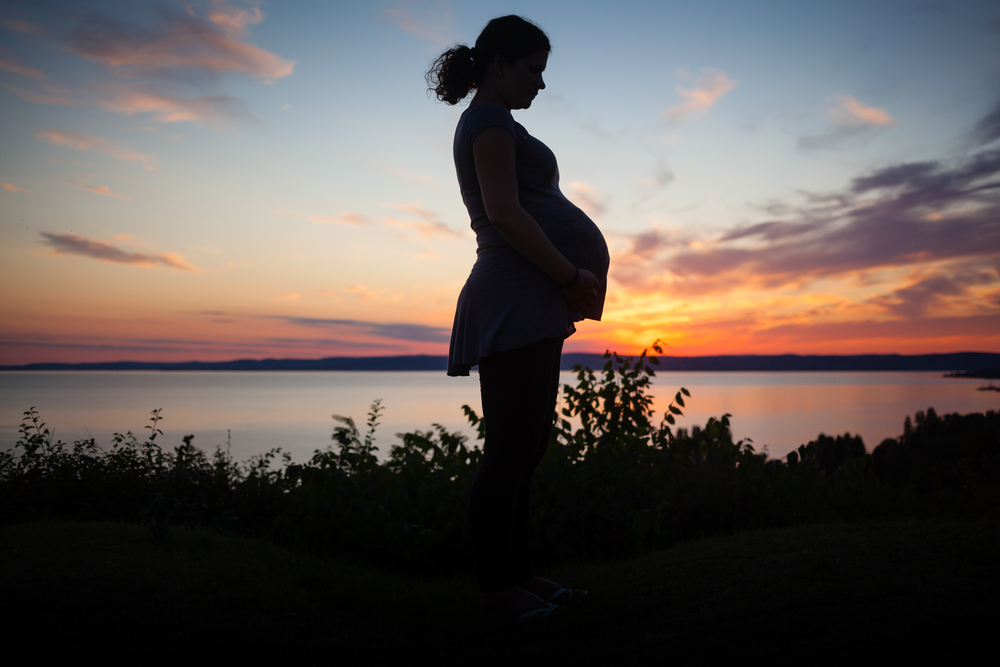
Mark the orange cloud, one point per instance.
(849, 111)
(288, 297)
(342, 219)
(365, 293)
(20, 69)
(106, 191)
(13, 188)
(236, 20)
(72, 244)
(710, 86)
(82, 142)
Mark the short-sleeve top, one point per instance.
(507, 301)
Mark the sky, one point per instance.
(217, 180)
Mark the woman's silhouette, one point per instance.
(541, 265)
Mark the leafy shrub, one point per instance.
(617, 484)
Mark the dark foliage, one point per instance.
(613, 481)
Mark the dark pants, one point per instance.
(519, 389)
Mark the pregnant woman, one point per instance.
(541, 265)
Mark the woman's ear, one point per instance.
(499, 64)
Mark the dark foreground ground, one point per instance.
(920, 591)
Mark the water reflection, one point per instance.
(293, 410)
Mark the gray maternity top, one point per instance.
(508, 302)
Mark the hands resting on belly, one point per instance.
(582, 295)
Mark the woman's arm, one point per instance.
(494, 155)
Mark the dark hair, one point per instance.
(460, 70)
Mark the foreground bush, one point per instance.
(618, 484)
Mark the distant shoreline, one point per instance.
(961, 364)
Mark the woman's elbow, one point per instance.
(504, 216)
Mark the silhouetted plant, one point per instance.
(618, 483)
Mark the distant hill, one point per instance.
(959, 361)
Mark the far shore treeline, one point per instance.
(955, 362)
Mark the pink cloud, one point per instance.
(169, 108)
(13, 188)
(850, 111)
(710, 86)
(106, 191)
(180, 42)
(342, 219)
(82, 142)
(21, 69)
(432, 24)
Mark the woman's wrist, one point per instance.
(573, 280)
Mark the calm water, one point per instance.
(293, 410)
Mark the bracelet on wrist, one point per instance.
(573, 280)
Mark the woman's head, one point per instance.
(460, 70)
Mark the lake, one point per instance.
(779, 410)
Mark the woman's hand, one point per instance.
(582, 295)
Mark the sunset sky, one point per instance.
(218, 180)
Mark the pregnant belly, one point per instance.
(576, 237)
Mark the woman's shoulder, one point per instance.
(478, 117)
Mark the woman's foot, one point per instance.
(549, 590)
(511, 604)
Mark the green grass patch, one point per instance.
(816, 593)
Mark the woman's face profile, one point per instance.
(522, 80)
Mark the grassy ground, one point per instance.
(923, 590)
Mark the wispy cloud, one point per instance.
(170, 108)
(22, 26)
(848, 117)
(235, 19)
(288, 297)
(52, 96)
(427, 223)
(82, 142)
(424, 20)
(73, 244)
(13, 188)
(364, 293)
(340, 219)
(987, 130)
(21, 69)
(927, 293)
(106, 191)
(178, 42)
(709, 87)
(850, 111)
(163, 62)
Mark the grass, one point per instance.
(809, 594)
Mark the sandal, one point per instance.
(544, 611)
